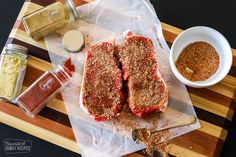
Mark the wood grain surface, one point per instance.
(214, 105)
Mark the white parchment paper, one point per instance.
(108, 20)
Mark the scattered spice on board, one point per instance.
(198, 61)
(69, 66)
(88, 40)
(126, 119)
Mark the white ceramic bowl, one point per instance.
(211, 36)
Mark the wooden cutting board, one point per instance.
(214, 105)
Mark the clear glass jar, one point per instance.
(48, 19)
(13, 62)
(43, 90)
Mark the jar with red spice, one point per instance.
(43, 90)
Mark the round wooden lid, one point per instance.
(73, 41)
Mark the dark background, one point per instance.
(220, 15)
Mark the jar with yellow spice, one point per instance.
(13, 62)
(48, 19)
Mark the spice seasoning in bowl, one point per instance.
(200, 56)
(198, 61)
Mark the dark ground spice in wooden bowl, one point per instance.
(198, 61)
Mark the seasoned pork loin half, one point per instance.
(147, 91)
(102, 83)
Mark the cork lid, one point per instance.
(73, 41)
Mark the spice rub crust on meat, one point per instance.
(147, 91)
(102, 83)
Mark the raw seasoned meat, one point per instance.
(147, 91)
(102, 83)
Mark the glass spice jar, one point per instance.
(48, 19)
(13, 62)
(43, 90)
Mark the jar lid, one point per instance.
(17, 47)
(73, 41)
(72, 8)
